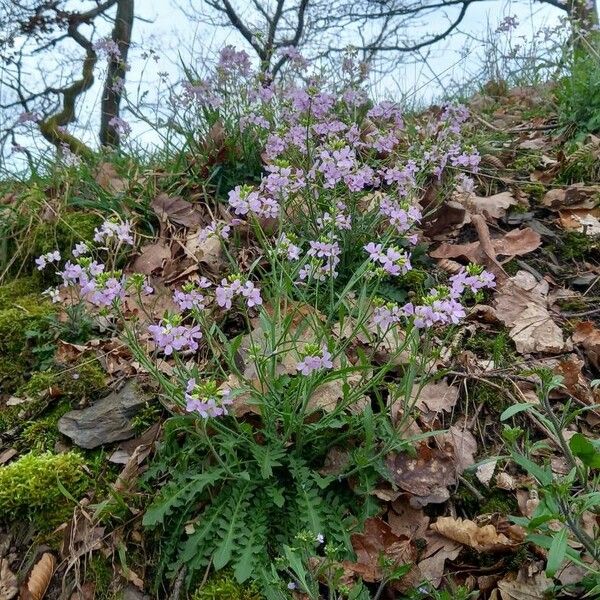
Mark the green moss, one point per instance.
(491, 396)
(30, 489)
(497, 347)
(102, 575)
(527, 162)
(223, 586)
(576, 245)
(84, 379)
(534, 190)
(70, 228)
(18, 289)
(42, 434)
(26, 313)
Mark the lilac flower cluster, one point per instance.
(402, 215)
(108, 46)
(190, 297)
(245, 201)
(48, 258)
(170, 335)
(118, 230)
(206, 399)
(121, 126)
(285, 246)
(315, 358)
(393, 261)
(233, 287)
(442, 304)
(324, 257)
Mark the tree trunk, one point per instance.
(115, 75)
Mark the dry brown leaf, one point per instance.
(406, 520)
(207, 250)
(587, 335)
(494, 207)
(514, 243)
(521, 304)
(581, 219)
(378, 540)
(108, 178)
(39, 578)
(436, 397)
(575, 196)
(481, 538)
(425, 477)
(7, 455)
(485, 472)
(176, 210)
(439, 549)
(8, 581)
(526, 585)
(152, 258)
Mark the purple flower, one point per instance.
(121, 126)
(207, 399)
(170, 336)
(315, 360)
(80, 249)
(230, 289)
(114, 230)
(189, 298)
(108, 46)
(45, 259)
(386, 316)
(287, 248)
(106, 290)
(53, 294)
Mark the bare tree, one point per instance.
(50, 96)
(377, 28)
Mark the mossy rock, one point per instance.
(70, 228)
(223, 586)
(33, 486)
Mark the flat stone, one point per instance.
(107, 420)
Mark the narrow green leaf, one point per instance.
(511, 411)
(557, 552)
(542, 475)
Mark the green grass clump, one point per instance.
(578, 96)
(223, 586)
(497, 347)
(30, 488)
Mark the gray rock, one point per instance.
(107, 420)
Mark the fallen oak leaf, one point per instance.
(481, 538)
(39, 578)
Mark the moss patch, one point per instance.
(223, 586)
(30, 488)
(70, 228)
(82, 380)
